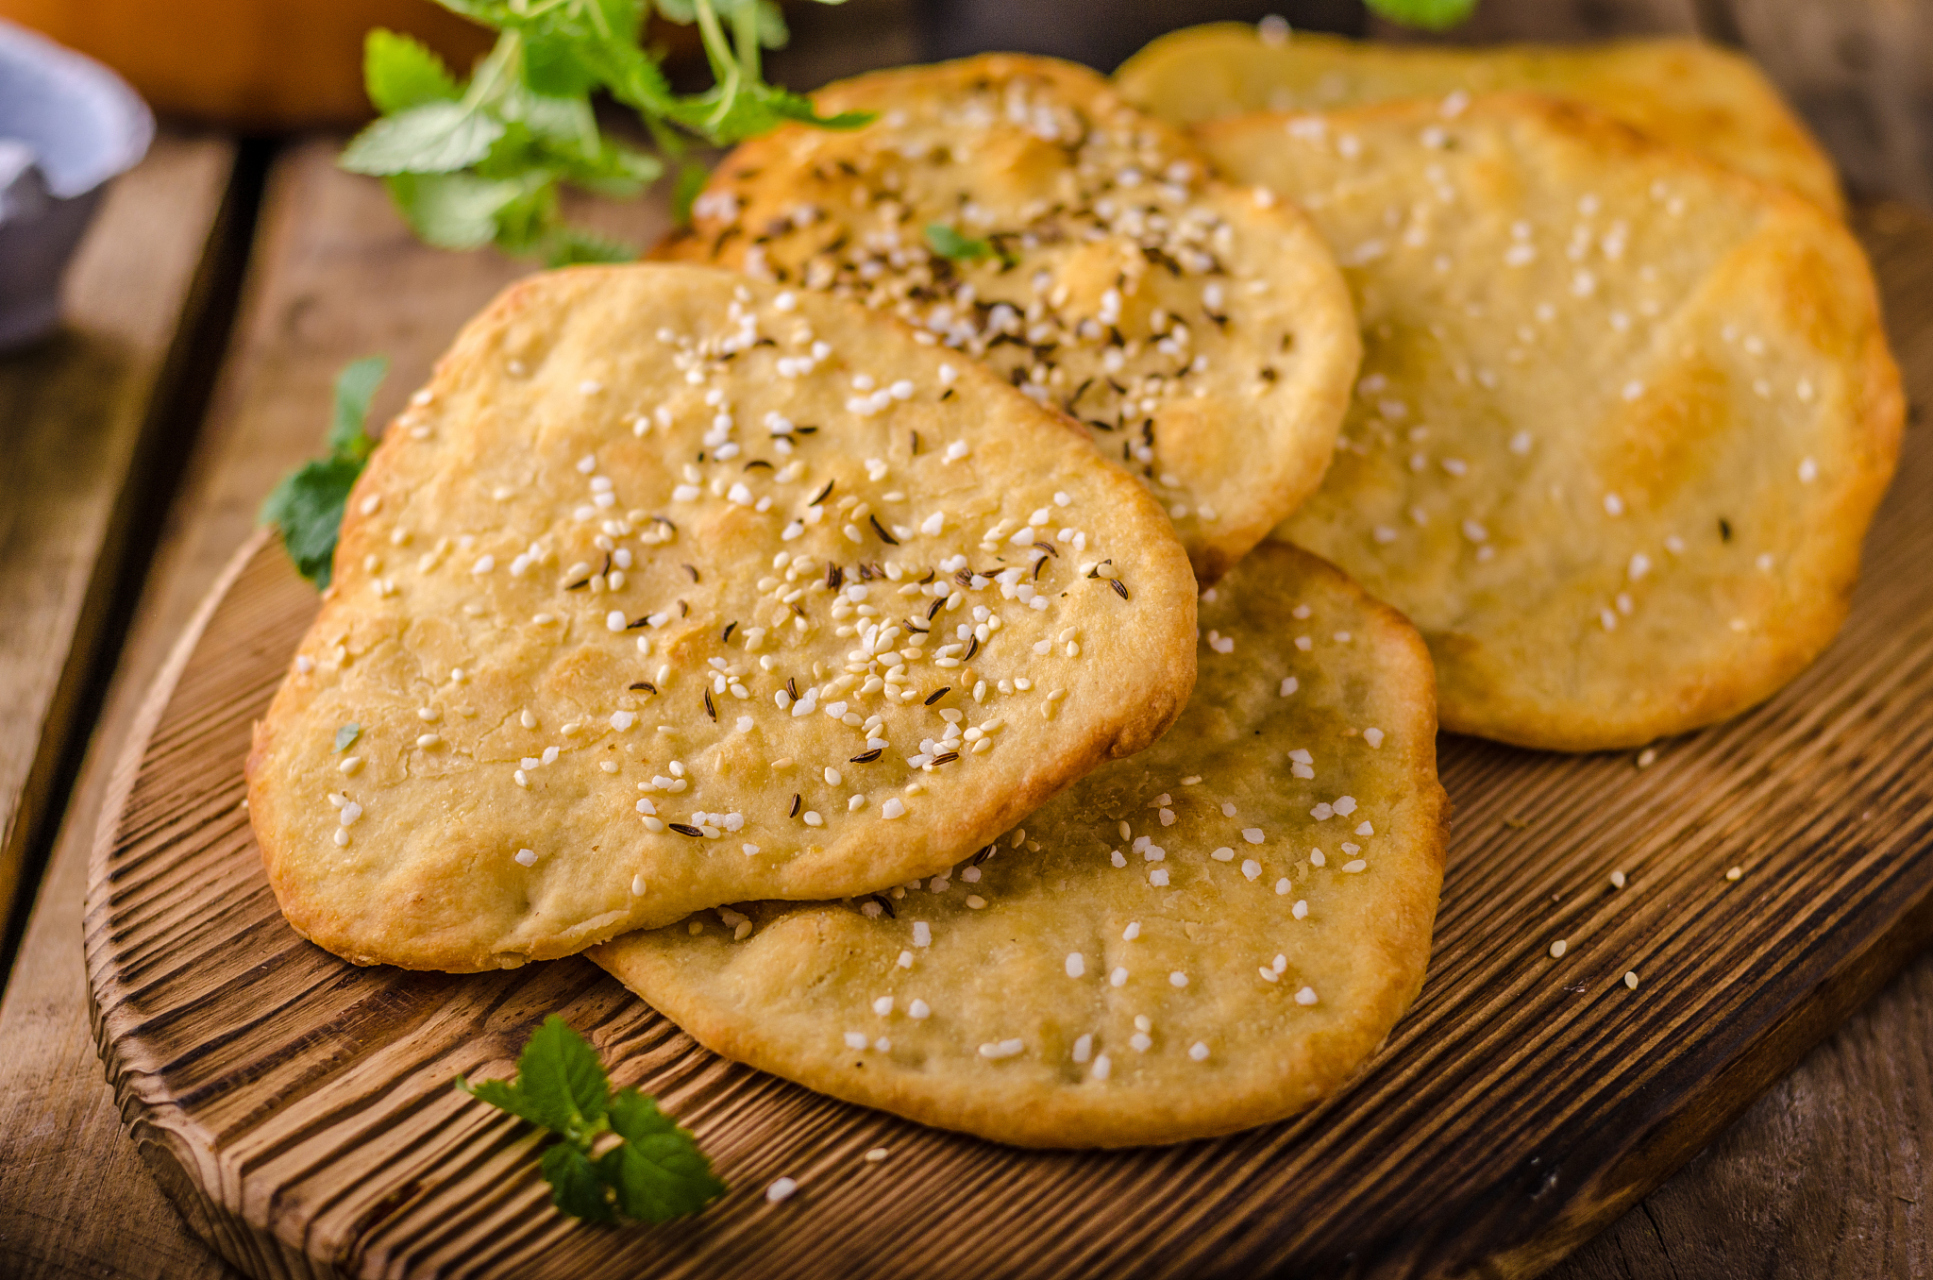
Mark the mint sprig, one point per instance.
(652, 1172)
(1430, 15)
(307, 506)
(485, 160)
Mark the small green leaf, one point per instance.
(1431, 15)
(349, 422)
(658, 1173)
(561, 1075)
(400, 72)
(577, 1186)
(453, 210)
(438, 137)
(948, 243)
(573, 247)
(307, 507)
(346, 737)
(504, 1095)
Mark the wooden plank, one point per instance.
(1861, 73)
(84, 411)
(336, 276)
(1829, 1173)
(1523, 1104)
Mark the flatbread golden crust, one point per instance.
(674, 589)
(1204, 338)
(1680, 91)
(1214, 934)
(1624, 415)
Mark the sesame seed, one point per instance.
(782, 1188)
(1631, 979)
(1558, 948)
(1177, 979)
(1735, 873)
(1076, 965)
(1306, 996)
(527, 857)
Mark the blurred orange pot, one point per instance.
(260, 65)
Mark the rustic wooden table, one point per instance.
(224, 285)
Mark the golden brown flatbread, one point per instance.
(1211, 935)
(1680, 91)
(1624, 415)
(1204, 337)
(675, 588)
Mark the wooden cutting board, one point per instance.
(299, 1109)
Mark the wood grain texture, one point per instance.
(80, 409)
(330, 254)
(299, 1108)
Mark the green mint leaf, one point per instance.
(561, 1075)
(574, 247)
(505, 1095)
(453, 210)
(438, 137)
(577, 1186)
(555, 69)
(307, 507)
(658, 1172)
(346, 737)
(400, 72)
(1431, 15)
(348, 422)
(948, 243)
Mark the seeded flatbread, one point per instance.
(675, 589)
(1623, 420)
(1680, 91)
(1212, 935)
(1206, 340)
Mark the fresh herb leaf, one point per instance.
(437, 137)
(652, 1171)
(485, 160)
(1431, 15)
(349, 422)
(307, 506)
(658, 1173)
(402, 73)
(948, 243)
(577, 1186)
(346, 737)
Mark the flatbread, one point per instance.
(675, 589)
(1624, 415)
(1205, 339)
(1214, 934)
(1680, 91)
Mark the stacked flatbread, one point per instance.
(872, 657)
